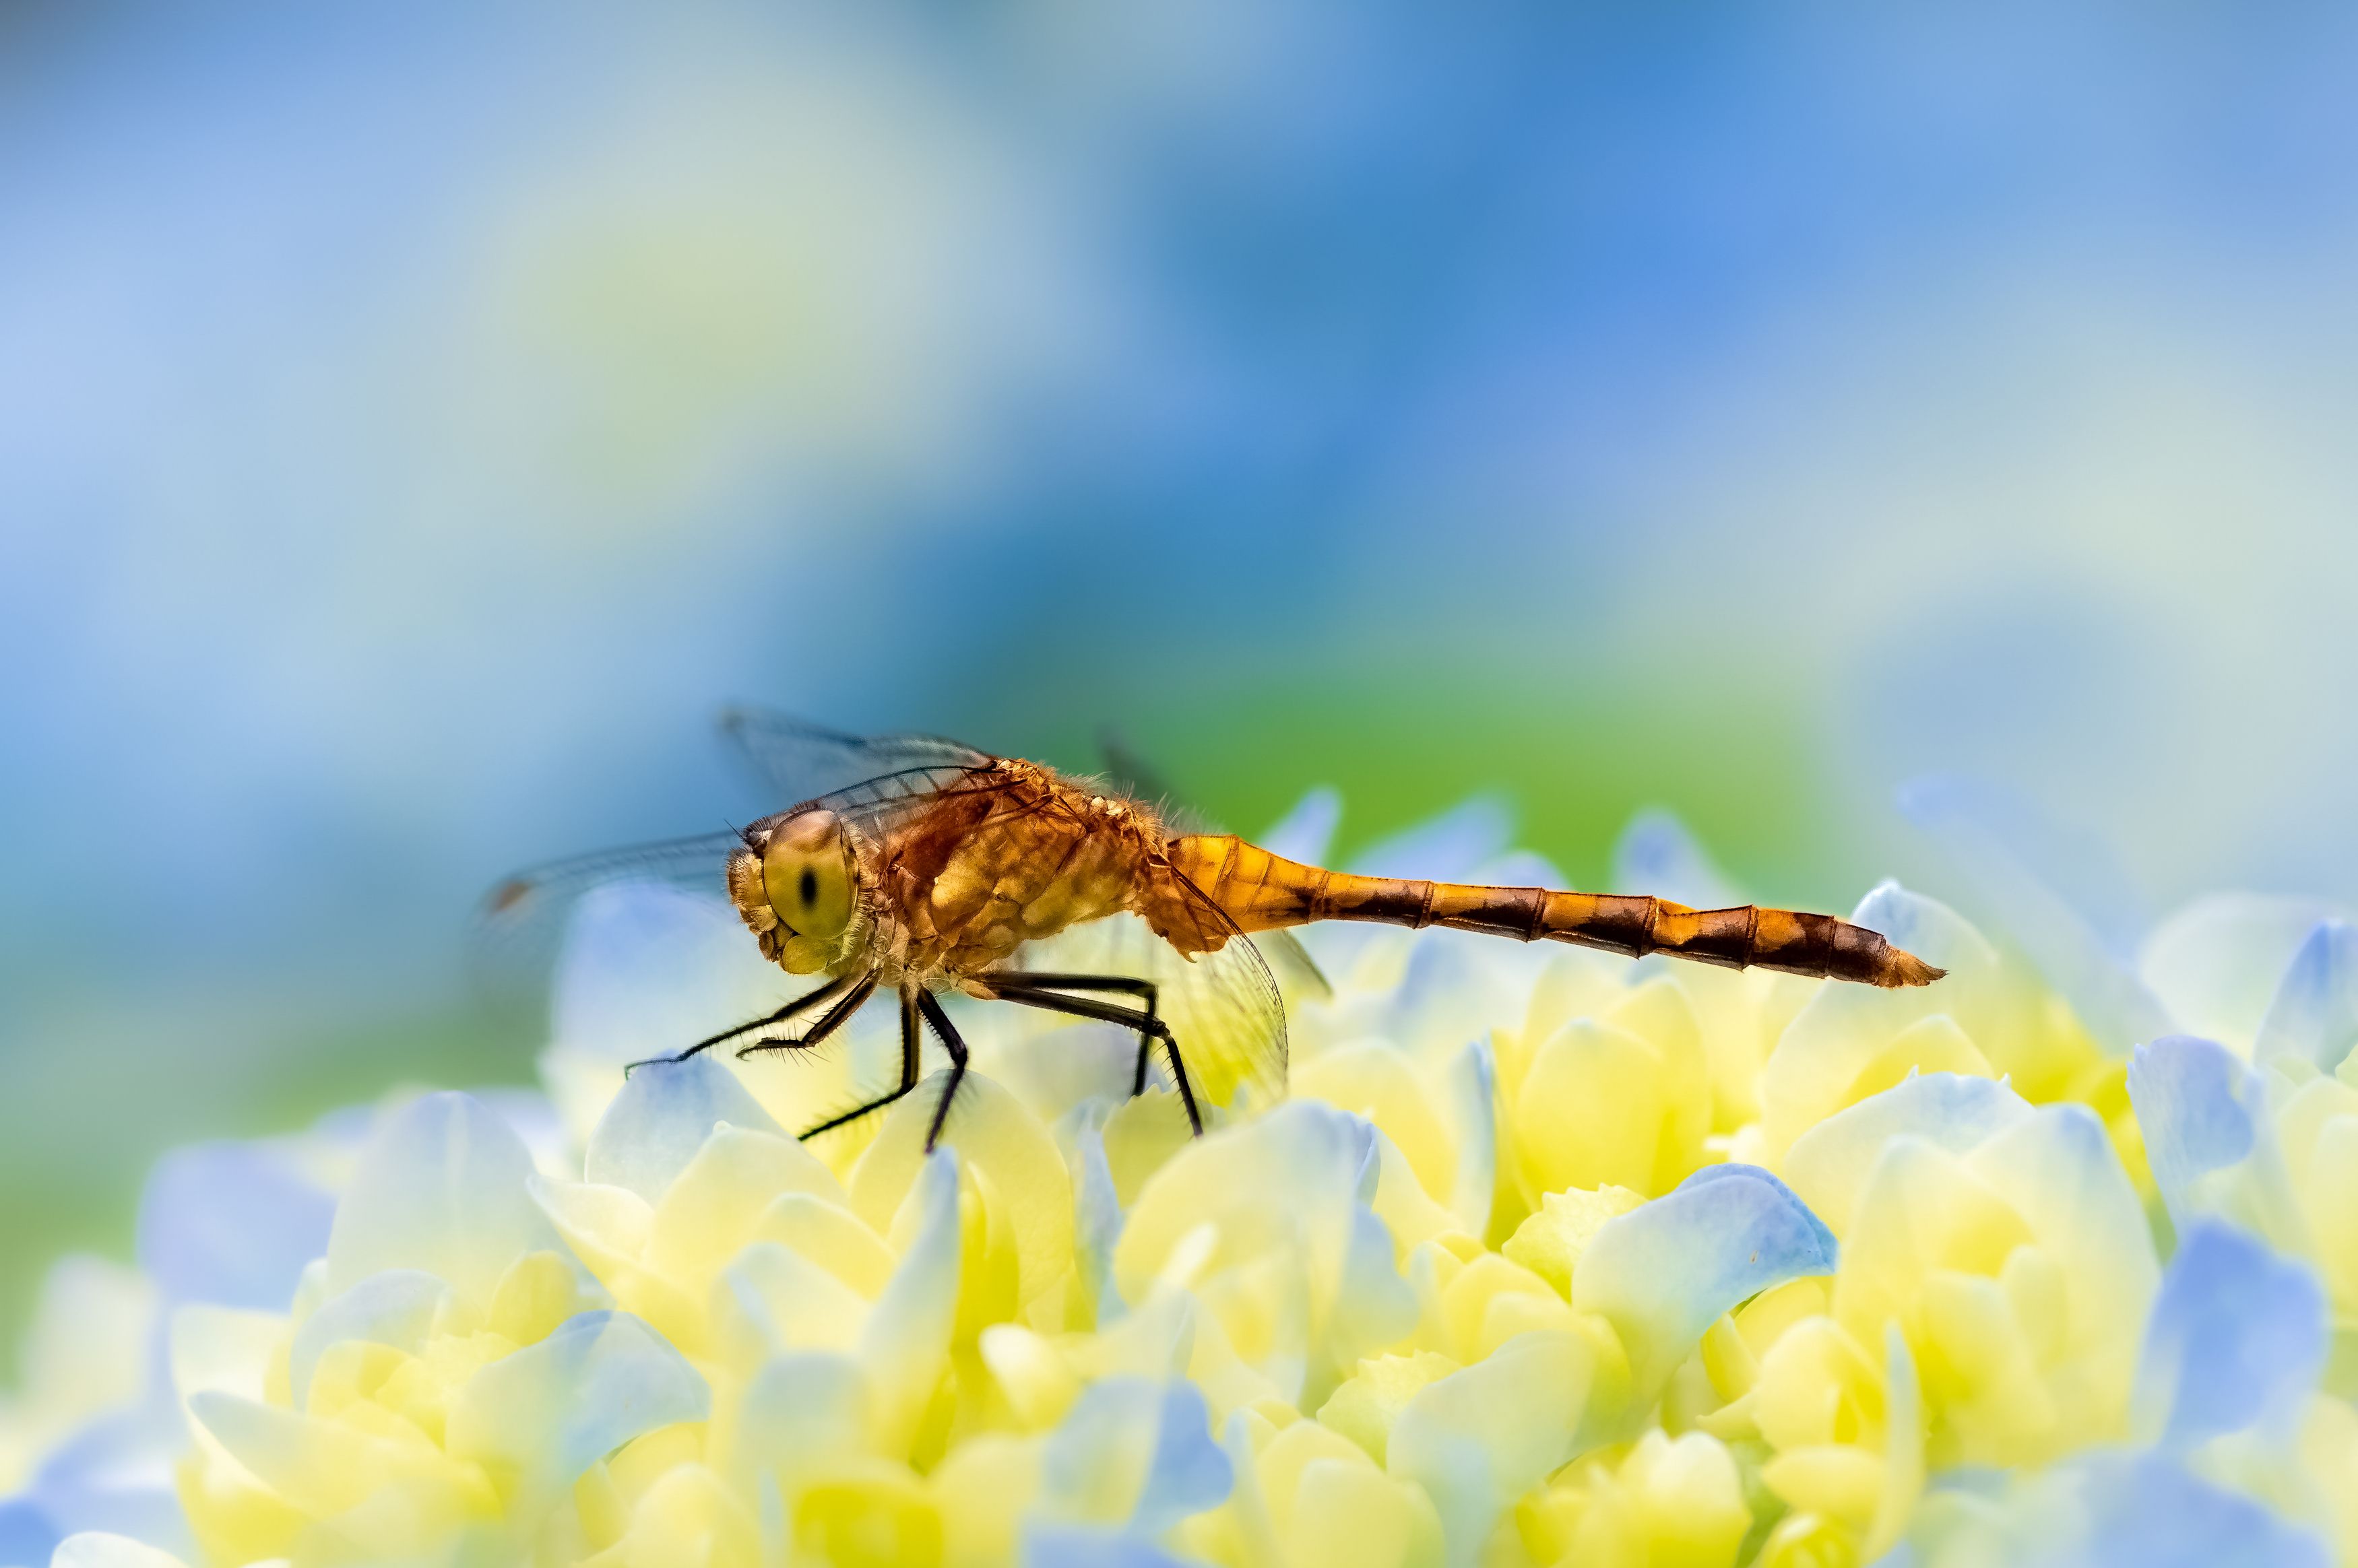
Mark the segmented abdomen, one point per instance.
(1262, 891)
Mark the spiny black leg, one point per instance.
(1146, 1024)
(957, 1048)
(1031, 979)
(1179, 1076)
(801, 1004)
(911, 1035)
(829, 1021)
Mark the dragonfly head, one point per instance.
(792, 883)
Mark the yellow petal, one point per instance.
(1366, 1403)
(1551, 1241)
(996, 1135)
(1592, 1110)
(1833, 1479)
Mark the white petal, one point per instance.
(441, 1188)
(1478, 1439)
(547, 1413)
(1828, 1164)
(659, 1120)
(2216, 963)
(905, 1342)
(96, 1548)
(397, 1308)
(648, 969)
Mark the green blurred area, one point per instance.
(1575, 753)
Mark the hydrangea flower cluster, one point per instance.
(1551, 1259)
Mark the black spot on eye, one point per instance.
(809, 886)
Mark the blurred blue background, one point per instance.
(414, 422)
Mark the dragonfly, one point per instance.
(919, 866)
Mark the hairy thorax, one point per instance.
(957, 888)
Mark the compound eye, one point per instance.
(806, 870)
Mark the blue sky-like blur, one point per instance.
(415, 421)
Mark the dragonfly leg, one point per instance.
(957, 1048)
(1034, 980)
(1145, 1022)
(833, 1019)
(1186, 1094)
(794, 1008)
(911, 1036)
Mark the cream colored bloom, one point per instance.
(1552, 1260)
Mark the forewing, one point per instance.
(798, 761)
(521, 921)
(1297, 973)
(1223, 1007)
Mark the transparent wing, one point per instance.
(521, 922)
(798, 760)
(1223, 1007)
(1298, 974)
(878, 804)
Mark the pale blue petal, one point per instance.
(1663, 1272)
(1450, 992)
(661, 1118)
(1307, 832)
(2064, 904)
(2150, 1512)
(802, 1412)
(2216, 963)
(1656, 854)
(1828, 1165)
(396, 1307)
(1446, 847)
(1926, 927)
(1472, 1087)
(1051, 1543)
(2198, 1110)
(1189, 1472)
(231, 1224)
(2236, 1340)
(1125, 1427)
(1096, 1210)
(648, 969)
(441, 1188)
(1375, 1307)
(549, 1412)
(2107, 1510)
(26, 1536)
(113, 1474)
(2313, 1017)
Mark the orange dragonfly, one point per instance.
(922, 866)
